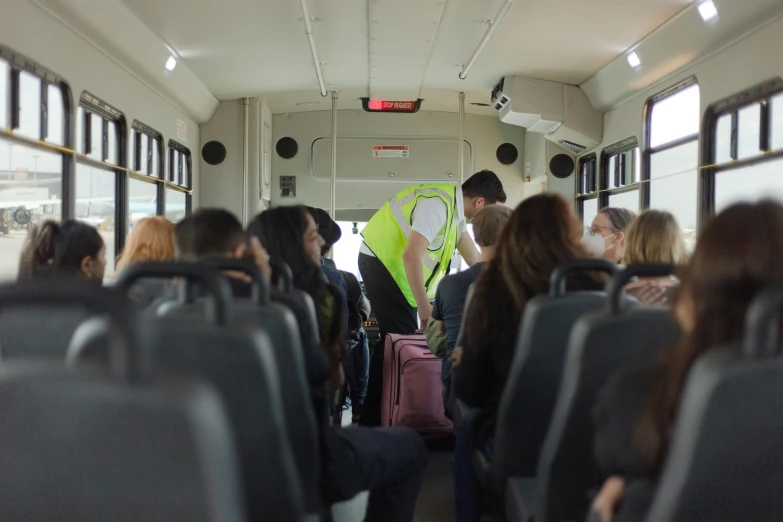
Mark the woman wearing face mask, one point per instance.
(606, 235)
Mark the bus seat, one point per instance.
(599, 346)
(528, 400)
(88, 444)
(39, 332)
(725, 459)
(251, 318)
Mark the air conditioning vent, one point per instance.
(573, 147)
(561, 112)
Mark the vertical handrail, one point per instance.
(333, 203)
(461, 147)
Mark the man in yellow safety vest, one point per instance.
(410, 241)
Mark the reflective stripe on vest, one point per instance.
(387, 232)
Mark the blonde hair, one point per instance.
(654, 237)
(152, 239)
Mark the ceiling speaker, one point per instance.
(561, 166)
(213, 152)
(287, 148)
(507, 154)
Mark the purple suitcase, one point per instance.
(412, 394)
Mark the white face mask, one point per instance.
(595, 242)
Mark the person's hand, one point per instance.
(425, 311)
(456, 357)
(606, 501)
(652, 294)
(258, 255)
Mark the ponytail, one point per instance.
(41, 249)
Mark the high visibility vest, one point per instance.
(387, 233)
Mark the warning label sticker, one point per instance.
(390, 151)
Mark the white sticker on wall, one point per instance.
(182, 131)
(390, 151)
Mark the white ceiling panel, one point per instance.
(402, 35)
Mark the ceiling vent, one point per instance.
(561, 112)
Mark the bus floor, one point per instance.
(436, 498)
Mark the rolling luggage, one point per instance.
(412, 395)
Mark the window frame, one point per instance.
(175, 147)
(94, 105)
(140, 129)
(648, 151)
(762, 94)
(615, 150)
(581, 197)
(18, 63)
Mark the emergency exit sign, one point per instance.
(391, 106)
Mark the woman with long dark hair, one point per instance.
(542, 233)
(738, 255)
(388, 462)
(69, 249)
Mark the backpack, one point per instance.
(356, 316)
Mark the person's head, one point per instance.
(329, 230)
(488, 224)
(209, 232)
(654, 237)
(290, 234)
(70, 249)
(152, 239)
(482, 188)
(737, 256)
(541, 233)
(606, 235)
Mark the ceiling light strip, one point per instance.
(484, 41)
(313, 50)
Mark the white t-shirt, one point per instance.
(429, 219)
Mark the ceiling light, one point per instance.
(707, 10)
(633, 60)
(171, 63)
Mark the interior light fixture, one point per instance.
(633, 60)
(707, 10)
(171, 63)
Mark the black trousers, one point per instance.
(394, 316)
(389, 305)
(387, 462)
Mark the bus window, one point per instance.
(95, 204)
(672, 154)
(587, 188)
(145, 188)
(29, 106)
(178, 182)
(620, 175)
(5, 80)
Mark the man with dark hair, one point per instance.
(209, 232)
(409, 243)
(408, 246)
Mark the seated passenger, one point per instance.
(450, 298)
(735, 259)
(388, 462)
(654, 237)
(542, 233)
(606, 235)
(70, 249)
(152, 239)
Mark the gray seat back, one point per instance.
(23, 333)
(725, 459)
(249, 318)
(599, 346)
(110, 444)
(528, 400)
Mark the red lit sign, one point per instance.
(390, 106)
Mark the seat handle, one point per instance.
(761, 337)
(209, 277)
(130, 354)
(282, 275)
(557, 282)
(621, 278)
(260, 282)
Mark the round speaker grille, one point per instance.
(287, 148)
(561, 166)
(507, 154)
(213, 152)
